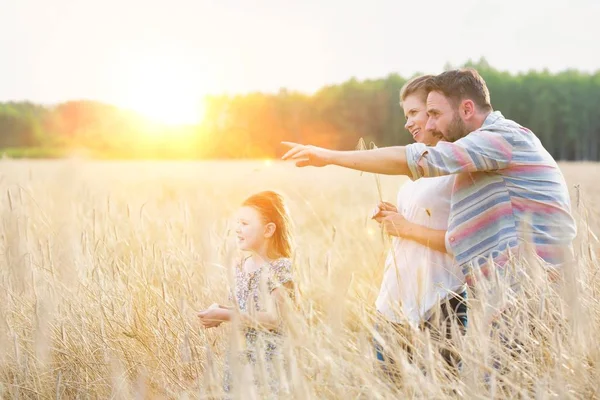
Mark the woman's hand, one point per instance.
(381, 207)
(394, 224)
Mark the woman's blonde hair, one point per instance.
(416, 85)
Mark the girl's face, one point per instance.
(252, 232)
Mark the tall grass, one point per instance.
(103, 267)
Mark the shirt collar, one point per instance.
(492, 118)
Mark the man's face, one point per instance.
(444, 118)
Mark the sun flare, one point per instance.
(170, 109)
(165, 91)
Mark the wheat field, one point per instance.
(103, 266)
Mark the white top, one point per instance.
(416, 276)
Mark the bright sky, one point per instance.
(126, 51)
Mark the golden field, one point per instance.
(103, 266)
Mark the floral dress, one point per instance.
(259, 350)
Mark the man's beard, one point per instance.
(456, 130)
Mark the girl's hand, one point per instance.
(213, 317)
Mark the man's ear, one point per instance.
(270, 229)
(467, 109)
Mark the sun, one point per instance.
(170, 109)
(164, 91)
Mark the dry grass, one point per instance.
(103, 266)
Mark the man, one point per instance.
(509, 193)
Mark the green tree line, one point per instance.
(563, 109)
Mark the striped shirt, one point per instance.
(508, 191)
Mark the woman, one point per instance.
(419, 274)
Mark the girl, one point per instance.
(263, 284)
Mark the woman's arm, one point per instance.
(395, 224)
(432, 238)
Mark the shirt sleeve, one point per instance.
(479, 151)
(280, 273)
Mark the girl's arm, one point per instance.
(214, 317)
(280, 284)
(271, 319)
(268, 320)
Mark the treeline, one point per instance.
(563, 109)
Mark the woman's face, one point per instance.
(415, 112)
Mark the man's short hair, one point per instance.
(417, 85)
(460, 84)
